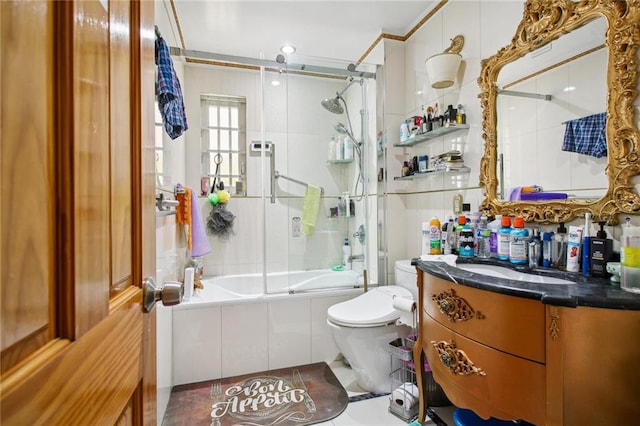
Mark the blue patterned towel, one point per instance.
(169, 93)
(587, 135)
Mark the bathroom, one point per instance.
(70, 280)
(397, 207)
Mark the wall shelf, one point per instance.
(431, 135)
(462, 170)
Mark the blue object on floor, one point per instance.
(464, 417)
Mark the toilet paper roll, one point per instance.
(406, 395)
(404, 305)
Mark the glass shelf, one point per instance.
(431, 135)
(462, 170)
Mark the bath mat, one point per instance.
(301, 395)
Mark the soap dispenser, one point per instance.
(601, 252)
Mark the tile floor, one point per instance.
(374, 411)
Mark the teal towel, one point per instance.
(310, 209)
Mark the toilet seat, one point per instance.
(371, 309)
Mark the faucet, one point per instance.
(356, 257)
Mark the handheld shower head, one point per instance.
(332, 105)
(342, 129)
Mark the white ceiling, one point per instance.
(327, 33)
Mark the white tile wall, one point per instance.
(234, 339)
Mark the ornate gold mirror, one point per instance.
(544, 22)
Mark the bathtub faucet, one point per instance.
(356, 257)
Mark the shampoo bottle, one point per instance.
(601, 251)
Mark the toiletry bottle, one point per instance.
(504, 237)
(450, 240)
(494, 225)
(630, 257)
(601, 251)
(466, 241)
(519, 243)
(547, 248)
(443, 238)
(535, 249)
(475, 223)
(340, 148)
(483, 235)
(333, 148)
(404, 131)
(346, 254)
(462, 221)
(461, 117)
(586, 245)
(559, 253)
(425, 246)
(434, 236)
(348, 148)
(347, 204)
(574, 239)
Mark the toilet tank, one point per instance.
(406, 277)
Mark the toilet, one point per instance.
(363, 327)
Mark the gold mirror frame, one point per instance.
(544, 21)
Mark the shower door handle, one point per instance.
(170, 294)
(272, 162)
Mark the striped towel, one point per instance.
(169, 93)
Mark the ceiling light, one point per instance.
(569, 88)
(275, 83)
(288, 48)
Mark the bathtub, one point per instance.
(231, 328)
(279, 284)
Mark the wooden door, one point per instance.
(77, 212)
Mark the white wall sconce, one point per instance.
(443, 67)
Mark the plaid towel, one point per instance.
(587, 135)
(169, 93)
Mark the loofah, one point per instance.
(224, 196)
(214, 199)
(220, 221)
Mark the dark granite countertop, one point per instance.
(587, 291)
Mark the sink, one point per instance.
(510, 274)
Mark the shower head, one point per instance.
(333, 105)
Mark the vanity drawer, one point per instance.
(503, 386)
(508, 323)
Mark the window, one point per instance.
(223, 141)
(163, 158)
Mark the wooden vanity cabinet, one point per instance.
(514, 358)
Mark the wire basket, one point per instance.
(402, 348)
